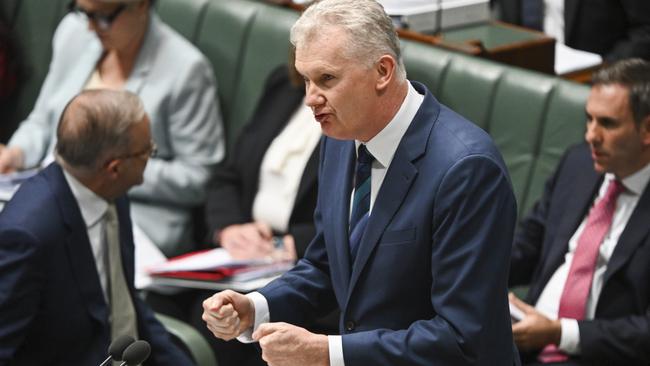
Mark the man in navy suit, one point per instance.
(412, 241)
(66, 283)
(611, 322)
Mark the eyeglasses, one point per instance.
(151, 151)
(103, 21)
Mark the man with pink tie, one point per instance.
(584, 249)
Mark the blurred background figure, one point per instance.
(122, 44)
(614, 29)
(66, 259)
(267, 189)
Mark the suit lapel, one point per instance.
(340, 215)
(398, 180)
(78, 245)
(635, 231)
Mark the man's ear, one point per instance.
(113, 167)
(386, 68)
(645, 130)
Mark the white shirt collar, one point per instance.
(92, 206)
(384, 144)
(636, 182)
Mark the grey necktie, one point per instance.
(123, 317)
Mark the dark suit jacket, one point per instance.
(620, 332)
(428, 286)
(233, 189)
(615, 29)
(52, 310)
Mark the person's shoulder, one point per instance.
(70, 28)
(173, 45)
(31, 206)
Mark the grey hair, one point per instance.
(370, 30)
(95, 124)
(633, 74)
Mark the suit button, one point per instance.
(349, 325)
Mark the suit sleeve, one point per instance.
(21, 280)
(473, 222)
(622, 341)
(636, 42)
(302, 234)
(196, 136)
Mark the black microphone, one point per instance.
(136, 353)
(116, 348)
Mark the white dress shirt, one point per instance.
(382, 147)
(549, 301)
(93, 210)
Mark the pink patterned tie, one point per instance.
(578, 283)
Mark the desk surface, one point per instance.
(494, 35)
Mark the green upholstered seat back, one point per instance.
(185, 16)
(267, 46)
(532, 117)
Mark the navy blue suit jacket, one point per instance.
(429, 284)
(52, 310)
(620, 332)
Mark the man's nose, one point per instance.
(313, 96)
(592, 135)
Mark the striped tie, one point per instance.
(361, 200)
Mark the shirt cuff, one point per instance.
(262, 315)
(570, 338)
(335, 344)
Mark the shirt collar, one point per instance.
(384, 144)
(634, 183)
(92, 206)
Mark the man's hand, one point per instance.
(227, 314)
(287, 345)
(535, 330)
(247, 241)
(11, 159)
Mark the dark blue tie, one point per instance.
(361, 200)
(532, 14)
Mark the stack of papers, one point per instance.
(569, 59)
(217, 264)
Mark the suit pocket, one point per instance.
(398, 237)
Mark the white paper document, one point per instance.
(568, 59)
(204, 260)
